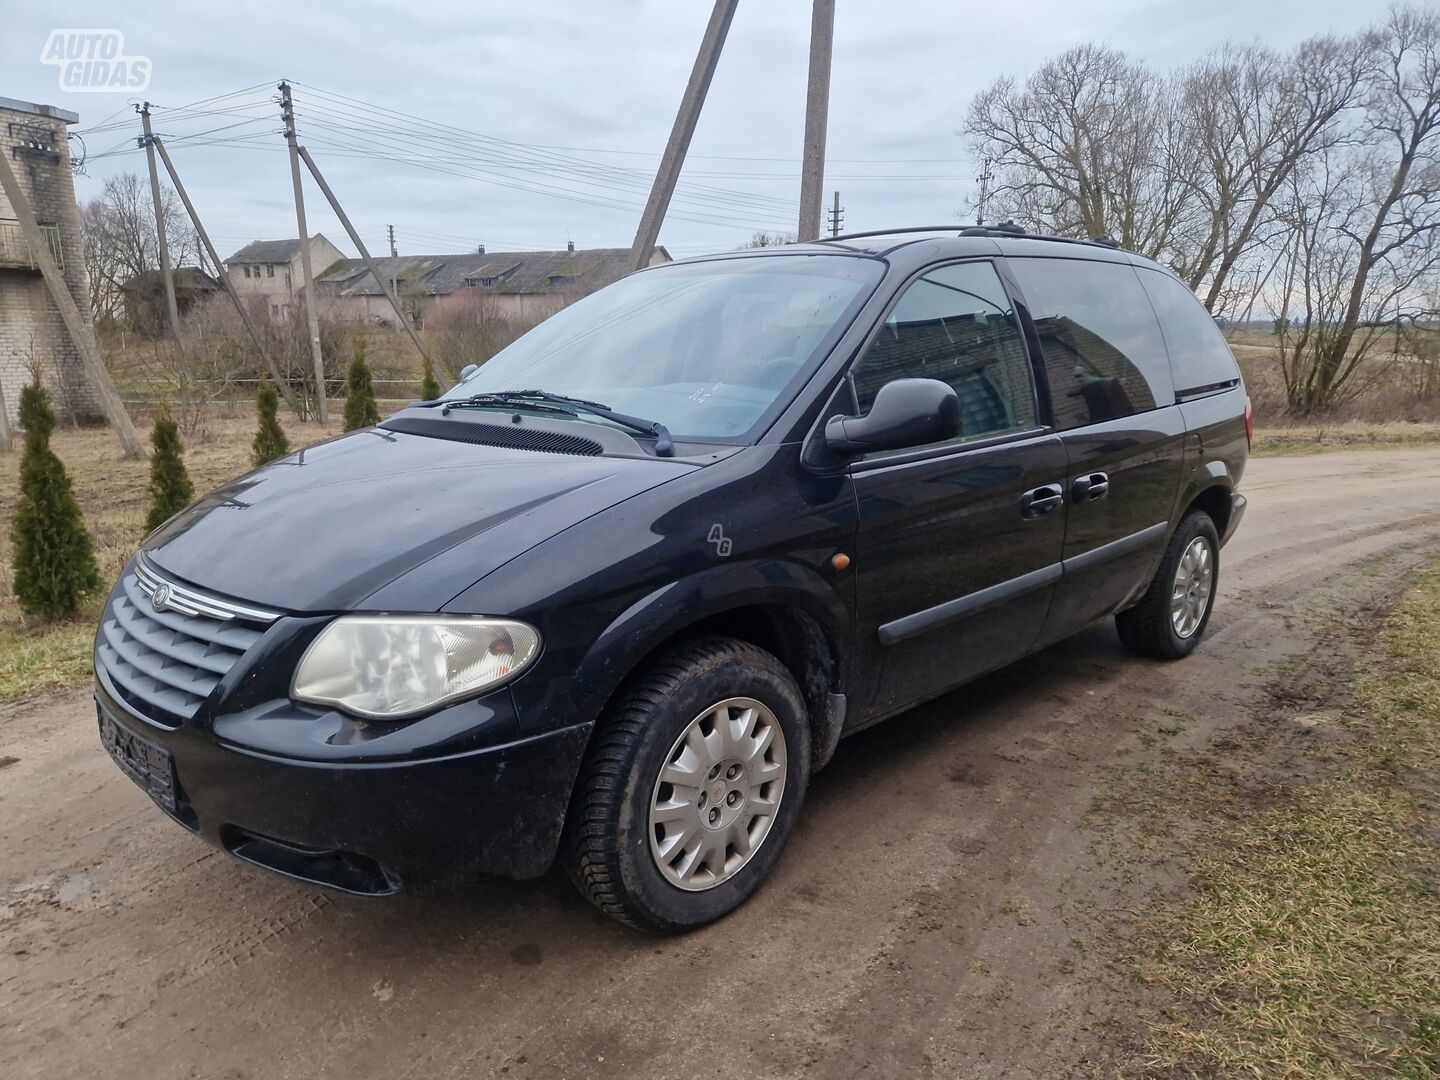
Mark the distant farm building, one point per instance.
(267, 273)
(523, 284)
(145, 295)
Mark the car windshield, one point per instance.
(703, 348)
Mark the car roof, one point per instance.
(956, 241)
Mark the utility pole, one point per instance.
(224, 278)
(984, 179)
(685, 119)
(81, 332)
(287, 114)
(837, 215)
(391, 230)
(161, 240)
(817, 115)
(364, 252)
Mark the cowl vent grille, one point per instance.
(511, 438)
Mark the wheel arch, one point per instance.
(787, 610)
(1215, 500)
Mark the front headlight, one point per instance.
(388, 667)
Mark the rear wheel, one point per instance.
(691, 786)
(1171, 617)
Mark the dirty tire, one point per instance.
(606, 847)
(1146, 629)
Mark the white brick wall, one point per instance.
(31, 330)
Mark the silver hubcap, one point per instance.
(717, 794)
(1194, 579)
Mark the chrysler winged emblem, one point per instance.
(160, 598)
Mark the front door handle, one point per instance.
(1090, 487)
(1037, 502)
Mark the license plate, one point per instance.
(148, 765)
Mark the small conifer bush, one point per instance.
(360, 408)
(429, 385)
(170, 487)
(270, 441)
(54, 558)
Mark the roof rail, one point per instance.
(1002, 229)
(885, 232)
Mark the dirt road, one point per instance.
(934, 913)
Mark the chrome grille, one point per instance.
(166, 646)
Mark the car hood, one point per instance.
(385, 520)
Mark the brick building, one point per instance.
(35, 141)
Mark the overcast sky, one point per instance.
(582, 95)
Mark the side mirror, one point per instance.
(906, 412)
(468, 370)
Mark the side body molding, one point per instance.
(973, 603)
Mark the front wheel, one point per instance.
(1170, 618)
(691, 786)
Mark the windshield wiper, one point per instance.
(544, 401)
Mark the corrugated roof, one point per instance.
(268, 251)
(527, 272)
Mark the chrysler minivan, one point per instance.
(616, 596)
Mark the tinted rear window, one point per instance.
(1199, 354)
(1104, 355)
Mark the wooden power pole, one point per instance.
(161, 240)
(312, 317)
(81, 332)
(680, 135)
(817, 115)
(224, 278)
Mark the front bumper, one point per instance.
(370, 826)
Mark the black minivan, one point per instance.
(618, 594)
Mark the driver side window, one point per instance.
(956, 325)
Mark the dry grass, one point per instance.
(38, 657)
(1345, 435)
(1391, 396)
(1309, 943)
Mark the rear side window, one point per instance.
(1199, 355)
(955, 324)
(1104, 355)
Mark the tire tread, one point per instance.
(1145, 628)
(592, 841)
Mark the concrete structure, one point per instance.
(35, 140)
(525, 285)
(267, 272)
(145, 296)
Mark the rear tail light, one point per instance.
(1249, 425)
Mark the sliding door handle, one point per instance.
(1037, 502)
(1090, 487)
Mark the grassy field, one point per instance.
(1345, 435)
(1308, 941)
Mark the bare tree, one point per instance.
(121, 241)
(1252, 118)
(1363, 228)
(1079, 149)
(1184, 168)
(471, 326)
(763, 238)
